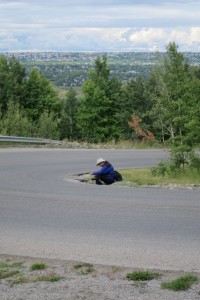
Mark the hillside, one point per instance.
(66, 69)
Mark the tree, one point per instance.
(12, 76)
(171, 81)
(176, 107)
(39, 95)
(26, 100)
(134, 101)
(47, 126)
(192, 123)
(68, 126)
(97, 112)
(15, 121)
(143, 135)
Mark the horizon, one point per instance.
(63, 51)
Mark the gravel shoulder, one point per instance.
(83, 281)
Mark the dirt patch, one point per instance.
(77, 280)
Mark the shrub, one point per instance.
(195, 161)
(162, 169)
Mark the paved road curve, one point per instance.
(43, 215)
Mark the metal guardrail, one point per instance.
(19, 139)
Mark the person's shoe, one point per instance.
(99, 182)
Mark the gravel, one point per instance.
(81, 281)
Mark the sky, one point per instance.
(99, 25)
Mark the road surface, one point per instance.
(44, 215)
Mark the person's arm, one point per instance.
(103, 170)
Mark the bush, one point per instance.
(48, 126)
(179, 163)
(162, 169)
(195, 161)
(180, 156)
(15, 121)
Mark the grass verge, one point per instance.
(144, 177)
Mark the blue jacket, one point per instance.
(107, 170)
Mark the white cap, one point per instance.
(100, 160)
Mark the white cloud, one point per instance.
(147, 35)
(101, 25)
(194, 35)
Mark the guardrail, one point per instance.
(19, 139)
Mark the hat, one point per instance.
(100, 160)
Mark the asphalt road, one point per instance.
(44, 215)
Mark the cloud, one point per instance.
(100, 39)
(101, 25)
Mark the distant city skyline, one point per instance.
(99, 26)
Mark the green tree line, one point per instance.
(167, 103)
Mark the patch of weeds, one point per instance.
(84, 270)
(142, 275)
(3, 264)
(17, 264)
(8, 270)
(5, 273)
(38, 266)
(48, 278)
(19, 280)
(180, 284)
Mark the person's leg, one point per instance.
(102, 179)
(98, 180)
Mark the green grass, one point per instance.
(142, 275)
(48, 278)
(19, 280)
(139, 177)
(38, 266)
(8, 270)
(17, 264)
(109, 145)
(3, 265)
(181, 283)
(6, 273)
